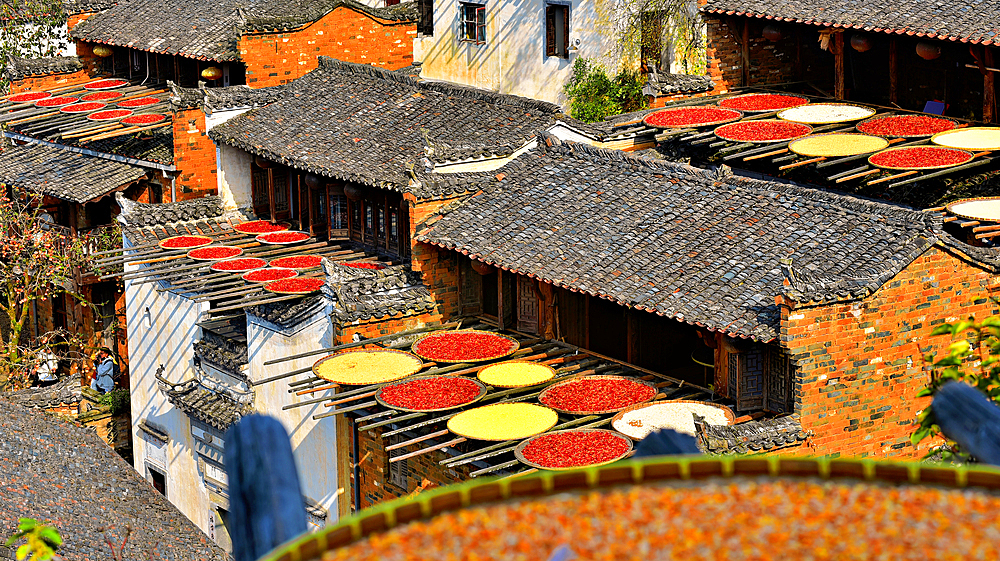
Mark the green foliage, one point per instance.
(594, 96)
(32, 29)
(973, 357)
(118, 400)
(41, 541)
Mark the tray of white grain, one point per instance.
(984, 209)
(639, 420)
(971, 138)
(826, 113)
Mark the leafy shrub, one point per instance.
(594, 96)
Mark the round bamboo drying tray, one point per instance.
(519, 451)
(415, 348)
(618, 420)
(378, 394)
(555, 387)
(495, 376)
(985, 209)
(245, 227)
(503, 421)
(867, 123)
(826, 113)
(735, 101)
(205, 240)
(837, 145)
(725, 132)
(239, 251)
(309, 285)
(487, 516)
(252, 263)
(367, 366)
(874, 157)
(731, 115)
(971, 138)
(262, 238)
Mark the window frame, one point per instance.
(552, 48)
(477, 21)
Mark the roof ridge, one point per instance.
(343, 67)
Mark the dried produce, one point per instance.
(283, 237)
(138, 102)
(905, 126)
(367, 366)
(268, 275)
(101, 96)
(239, 265)
(431, 394)
(919, 157)
(503, 421)
(695, 116)
(464, 346)
(28, 96)
(761, 102)
(825, 113)
(261, 227)
(56, 101)
(184, 242)
(84, 107)
(837, 145)
(762, 130)
(592, 395)
(300, 262)
(370, 266)
(573, 449)
(143, 119)
(986, 209)
(105, 84)
(639, 421)
(109, 115)
(972, 138)
(516, 374)
(294, 286)
(214, 253)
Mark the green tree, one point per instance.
(40, 541)
(594, 96)
(647, 28)
(973, 357)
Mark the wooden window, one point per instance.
(473, 22)
(557, 30)
(393, 237)
(159, 481)
(471, 291)
(338, 215)
(398, 470)
(357, 230)
(282, 205)
(425, 17)
(651, 39)
(259, 190)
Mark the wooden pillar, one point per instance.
(632, 335)
(839, 87)
(547, 311)
(798, 54)
(893, 72)
(745, 54)
(270, 193)
(989, 89)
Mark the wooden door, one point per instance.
(507, 286)
(471, 295)
(527, 305)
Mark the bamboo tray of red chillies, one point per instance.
(429, 394)
(573, 449)
(467, 345)
(597, 395)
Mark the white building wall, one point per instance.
(233, 177)
(513, 61)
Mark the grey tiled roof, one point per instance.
(138, 214)
(63, 174)
(697, 245)
(362, 294)
(219, 99)
(66, 391)
(975, 21)
(284, 314)
(209, 30)
(752, 436)
(86, 6)
(670, 84)
(206, 405)
(223, 353)
(18, 68)
(156, 145)
(57, 471)
(363, 124)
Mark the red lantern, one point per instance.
(861, 43)
(928, 51)
(313, 181)
(263, 163)
(482, 268)
(773, 33)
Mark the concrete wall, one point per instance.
(234, 177)
(513, 58)
(314, 443)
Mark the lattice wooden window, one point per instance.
(471, 294)
(397, 470)
(779, 379)
(527, 305)
(557, 30)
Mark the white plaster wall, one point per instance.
(513, 59)
(233, 177)
(166, 338)
(314, 443)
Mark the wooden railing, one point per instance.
(95, 240)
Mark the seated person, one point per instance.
(104, 381)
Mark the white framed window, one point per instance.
(473, 19)
(557, 30)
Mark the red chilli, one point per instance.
(917, 157)
(213, 253)
(283, 237)
(105, 84)
(239, 265)
(294, 286)
(574, 449)
(30, 96)
(691, 116)
(180, 242)
(109, 114)
(463, 346)
(143, 119)
(905, 125)
(762, 131)
(593, 395)
(140, 102)
(56, 101)
(763, 102)
(431, 393)
(101, 96)
(268, 275)
(260, 227)
(297, 262)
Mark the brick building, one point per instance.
(901, 55)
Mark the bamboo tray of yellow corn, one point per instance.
(503, 421)
(367, 366)
(837, 145)
(516, 374)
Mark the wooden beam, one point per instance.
(989, 89)
(632, 335)
(839, 88)
(893, 72)
(745, 52)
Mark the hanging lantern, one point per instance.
(263, 163)
(336, 189)
(211, 73)
(861, 43)
(928, 51)
(773, 33)
(103, 51)
(313, 181)
(482, 268)
(353, 192)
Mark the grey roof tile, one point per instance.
(205, 404)
(364, 294)
(224, 353)
(63, 174)
(219, 99)
(751, 437)
(136, 214)
(66, 391)
(671, 84)
(18, 68)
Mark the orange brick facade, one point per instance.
(194, 156)
(344, 34)
(859, 365)
(50, 81)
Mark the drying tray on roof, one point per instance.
(837, 145)
(368, 366)
(623, 441)
(972, 138)
(986, 209)
(426, 383)
(826, 113)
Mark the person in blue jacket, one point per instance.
(105, 365)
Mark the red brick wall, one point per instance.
(194, 156)
(75, 19)
(439, 267)
(344, 34)
(384, 326)
(859, 364)
(50, 81)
